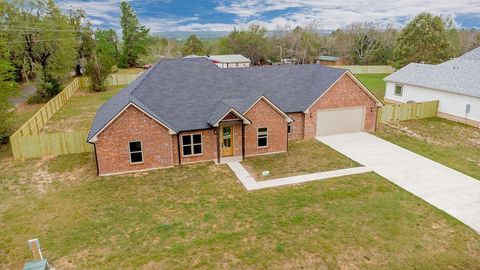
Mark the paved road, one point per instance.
(25, 93)
(449, 190)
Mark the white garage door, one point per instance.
(341, 120)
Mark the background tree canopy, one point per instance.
(425, 39)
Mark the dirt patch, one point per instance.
(410, 132)
(41, 179)
(308, 261)
(356, 259)
(69, 262)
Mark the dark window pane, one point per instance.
(227, 142)
(289, 129)
(197, 149)
(136, 157)
(197, 138)
(187, 140)
(262, 130)
(398, 90)
(187, 150)
(135, 146)
(262, 141)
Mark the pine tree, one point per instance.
(135, 36)
(192, 45)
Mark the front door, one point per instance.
(227, 141)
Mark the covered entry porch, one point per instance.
(231, 138)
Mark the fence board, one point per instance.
(50, 144)
(407, 111)
(26, 142)
(368, 69)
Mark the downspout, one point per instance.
(243, 141)
(96, 157)
(287, 135)
(178, 149)
(218, 145)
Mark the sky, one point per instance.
(221, 15)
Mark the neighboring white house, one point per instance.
(230, 60)
(226, 60)
(455, 83)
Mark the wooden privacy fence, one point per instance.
(50, 144)
(39, 119)
(27, 142)
(407, 111)
(368, 69)
(112, 79)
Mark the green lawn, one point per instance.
(78, 113)
(200, 217)
(453, 144)
(374, 82)
(24, 112)
(302, 157)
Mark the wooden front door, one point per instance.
(227, 141)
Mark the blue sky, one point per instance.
(221, 15)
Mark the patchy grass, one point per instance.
(78, 113)
(200, 217)
(453, 144)
(303, 157)
(23, 112)
(374, 82)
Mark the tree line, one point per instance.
(427, 38)
(45, 45)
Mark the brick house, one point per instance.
(189, 110)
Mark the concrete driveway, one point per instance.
(449, 190)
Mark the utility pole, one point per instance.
(281, 54)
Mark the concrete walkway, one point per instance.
(250, 184)
(449, 190)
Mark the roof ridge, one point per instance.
(144, 77)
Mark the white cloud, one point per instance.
(333, 14)
(103, 12)
(329, 14)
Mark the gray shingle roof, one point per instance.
(460, 75)
(293, 88)
(191, 94)
(471, 55)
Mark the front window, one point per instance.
(289, 128)
(262, 137)
(136, 153)
(192, 144)
(398, 90)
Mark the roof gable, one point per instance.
(459, 75)
(456, 76)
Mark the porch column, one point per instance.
(218, 144)
(243, 141)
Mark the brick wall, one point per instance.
(344, 93)
(263, 115)
(112, 147)
(296, 126)
(209, 147)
